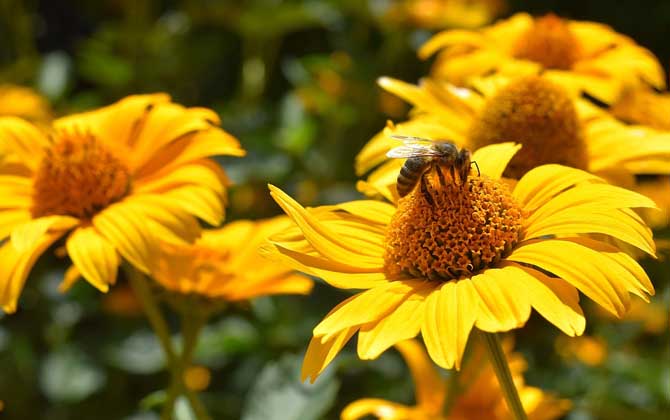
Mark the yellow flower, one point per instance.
(589, 350)
(225, 264)
(585, 56)
(482, 397)
(439, 14)
(644, 106)
(478, 256)
(23, 102)
(553, 127)
(116, 179)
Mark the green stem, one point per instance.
(453, 389)
(192, 323)
(501, 368)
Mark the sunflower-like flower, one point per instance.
(224, 264)
(586, 56)
(440, 14)
(20, 101)
(116, 179)
(552, 126)
(482, 397)
(474, 255)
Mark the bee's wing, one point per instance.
(414, 150)
(410, 140)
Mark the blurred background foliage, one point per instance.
(295, 82)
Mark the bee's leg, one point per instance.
(424, 189)
(440, 176)
(452, 171)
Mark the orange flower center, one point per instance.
(466, 229)
(78, 176)
(538, 114)
(549, 42)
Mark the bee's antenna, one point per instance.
(474, 162)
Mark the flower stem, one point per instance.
(191, 325)
(501, 368)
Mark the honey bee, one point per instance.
(424, 155)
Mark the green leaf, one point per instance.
(67, 375)
(278, 394)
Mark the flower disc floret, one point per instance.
(469, 227)
(538, 114)
(78, 176)
(550, 42)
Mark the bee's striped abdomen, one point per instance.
(410, 173)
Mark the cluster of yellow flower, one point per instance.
(551, 109)
(548, 211)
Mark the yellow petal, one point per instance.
(10, 219)
(69, 279)
(26, 235)
(402, 323)
(289, 283)
(448, 320)
(203, 172)
(493, 159)
(584, 268)
(367, 306)
(335, 274)
(540, 184)
(167, 219)
(130, 235)
(430, 387)
(601, 197)
(199, 201)
(578, 221)
(502, 306)
(319, 354)
(382, 409)
(326, 241)
(553, 298)
(95, 258)
(373, 211)
(16, 265)
(451, 37)
(24, 139)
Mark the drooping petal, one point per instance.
(553, 298)
(402, 323)
(493, 159)
(130, 236)
(95, 258)
(10, 219)
(199, 201)
(319, 354)
(586, 269)
(15, 266)
(501, 305)
(368, 306)
(449, 318)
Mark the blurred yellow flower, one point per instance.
(644, 106)
(19, 101)
(552, 125)
(585, 56)
(480, 397)
(116, 179)
(440, 14)
(225, 264)
(197, 378)
(589, 350)
(474, 255)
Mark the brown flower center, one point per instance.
(538, 114)
(468, 228)
(78, 176)
(549, 42)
